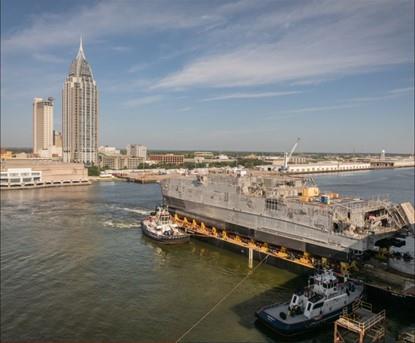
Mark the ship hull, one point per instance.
(297, 329)
(211, 217)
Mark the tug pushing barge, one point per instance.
(288, 214)
(285, 211)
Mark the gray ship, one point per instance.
(286, 211)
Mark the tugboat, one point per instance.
(322, 301)
(160, 227)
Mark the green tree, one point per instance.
(94, 171)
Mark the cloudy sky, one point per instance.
(220, 75)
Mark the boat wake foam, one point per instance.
(116, 225)
(141, 211)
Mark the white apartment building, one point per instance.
(137, 150)
(109, 150)
(42, 127)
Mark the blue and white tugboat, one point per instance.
(320, 302)
(160, 227)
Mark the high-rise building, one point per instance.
(137, 150)
(42, 126)
(57, 138)
(80, 113)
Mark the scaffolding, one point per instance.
(360, 324)
(407, 336)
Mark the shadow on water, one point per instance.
(279, 294)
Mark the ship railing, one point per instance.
(350, 320)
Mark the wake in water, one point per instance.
(138, 210)
(118, 225)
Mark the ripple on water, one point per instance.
(74, 267)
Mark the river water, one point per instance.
(75, 266)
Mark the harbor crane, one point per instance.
(287, 157)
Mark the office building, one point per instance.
(80, 113)
(137, 150)
(109, 150)
(167, 158)
(57, 138)
(116, 162)
(42, 127)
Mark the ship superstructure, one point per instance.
(287, 211)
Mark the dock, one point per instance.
(144, 178)
(360, 324)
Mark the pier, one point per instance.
(360, 324)
(144, 178)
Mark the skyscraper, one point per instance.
(80, 112)
(42, 126)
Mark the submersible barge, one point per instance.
(286, 211)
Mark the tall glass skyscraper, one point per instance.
(80, 113)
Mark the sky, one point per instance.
(247, 75)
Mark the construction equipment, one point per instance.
(287, 157)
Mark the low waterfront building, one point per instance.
(29, 173)
(167, 158)
(320, 167)
(327, 167)
(204, 154)
(109, 150)
(137, 150)
(5, 154)
(223, 157)
(117, 162)
(293, 160)
(392, 163)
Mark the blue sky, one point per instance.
(220, 75)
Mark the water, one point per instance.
(75, 266)
(395, 184)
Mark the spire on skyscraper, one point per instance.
(80, 65)
(81, 53)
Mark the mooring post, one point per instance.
(251, 258)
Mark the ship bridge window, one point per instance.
(271, 204)
(318, 305)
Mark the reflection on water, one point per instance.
(75, 266)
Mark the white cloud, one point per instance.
(320, 108)
(121, 48)
(251, 95)
(48, 58)
(401, 90)
(103, 19)
(184, 109)
(142, 101)
(357, 37)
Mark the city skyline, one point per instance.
(241, 75)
